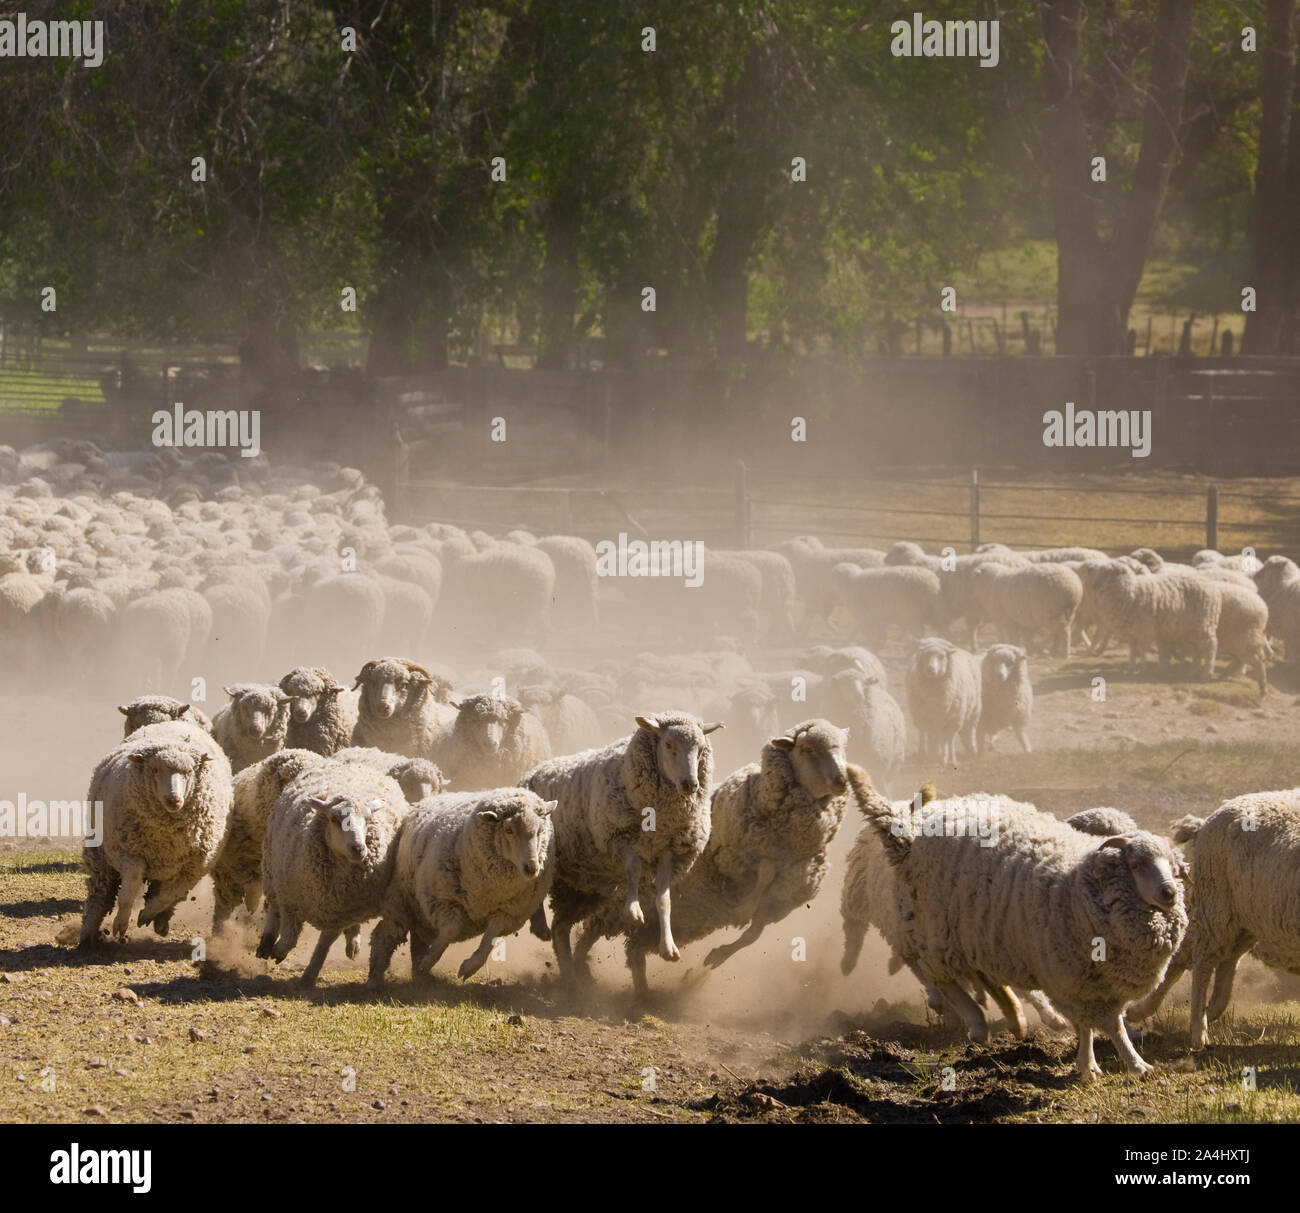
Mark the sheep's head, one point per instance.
(847, 690)
(521, 825)
(389, 685)
(932, 658)
(171, 772)
(485, 720)
(816, 753)
(418, 778)
(1005, 661)
(256, 708)
(681, 743)
(1276, 571)
(905, 552)
(1153, 866)
(345, 825)
(1149, 557)
(755, 707)
(306, 687)
(152, 709)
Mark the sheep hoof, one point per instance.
(351, 948)
(635, 913)
(375, 985)
(467, 969)
(307, 981)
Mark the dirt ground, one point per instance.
(145, 1032)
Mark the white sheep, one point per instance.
(902, 596)
(253, 725)
(467, 864)
(943, 694)
(1102, 822)
(492, 741)
(322, 712)
(402, 707)
(993, 891)
(327, 857)
(418, 777)
(237, 872)
(1006, 696)
(577, 588)
(570, 722)
(166, 795)
(1244, 898)
(155, 709)
(1025, 601)
(1171, 610)
(877, 728)
(1278, 582)
(814, 567)
(639, 805)
(1241, 635)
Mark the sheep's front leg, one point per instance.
(970, 1011)
(290, 929)
(1051, 1017)
(270, 929)
(351, 941)
(632, 874)
(1224, 975)
(129, 890)
(385, 939)
(1084, 1061)
(1197, 1027)
(537, 924)
(163, 897)
(636, 963)
(317, 961)
(663, 907)
(449, 930)
(103, 884)
(472, 963)
(1124, 1047)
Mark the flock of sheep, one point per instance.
(449, 805)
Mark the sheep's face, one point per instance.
(255, 711)
(302, 708)
(1005, 662)
(386, 688)
(679, 749)
(816, 752)
(171, 774)
(419, 779)
(345, 826)
(756, 709)
(523, 836)
(1276, 571)
(140, 713)
(932, 662)
(1153, 867)
(487, 719)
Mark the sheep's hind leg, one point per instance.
(854, 935)
(351, 944)
(103, 886)
(270, 930)
(448, 931)
(632, 900)
(290, 929)
(1224, 975)
(385, 939)
(970, 1011)
(538, 926)
(478, 958)
(162, 900)
(1009, 1005)
(1196, 1026)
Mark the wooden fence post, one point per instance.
(743, 516)
(974, 508)
(1212, 517)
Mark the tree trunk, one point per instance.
(1098, 280)
(557, 344)
(1273, 237)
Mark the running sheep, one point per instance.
(1171, 610)
(1023, 602)
(1005, 896)
(467, 864)
(327, 858)
(402, 707)
(491, 743)
(166, 795)
(253, 725)
(418, 777)
(773, 822)
(878, 598)
(155, 709)
(1245, 897)
(322, 712)
(943, 693)
(661, 777)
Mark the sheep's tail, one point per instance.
(880, 815)
(1186, 828)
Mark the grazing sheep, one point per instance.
(1103, 822)
(1278, 582)
(253, 725)
(166, 795)
(1245, 897)
(491, 743)
(467, 863)
(418, 777)
(237, 872)
(943, 694)
(902, 596)
(1004, 895)
(1171, 610)
(402, 707)
(155, 709)
(869, 897)
(1006, 696)
(639, 805)
(773, 821)
(327, 857)
(1027, 601)
(322, 712)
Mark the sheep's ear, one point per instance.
(123, 710)
(547, 807)
(334, 689)
(651, 725)
(713, 728)
(489, 815)
(135, 757)
(452, 703)
(1119, 842)
(782, 743)
(187, 710)
(229, 691)
(315, 802)
(845, 731)
(356, 684)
